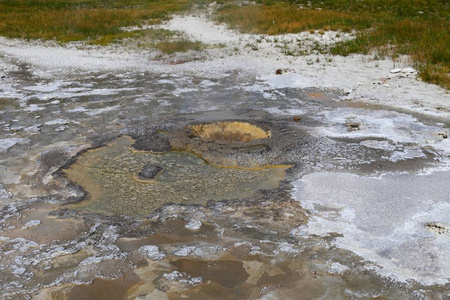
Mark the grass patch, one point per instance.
(280, 18)
(181, 45)
(145, 38)
(419, 28)
(76, 20)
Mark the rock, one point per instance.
(31, 223)
(152, 252)
(16, 127)
(443, 135)
(4, 194)
(337, 268)
(57, 122)
(150, 171)
(284, 71)
(352, 125)
(297, 118)
(60, 128)
(345, 98)
(5, 144)
(396, 70)
(409, 70)
(17, 270)
(185, 251)
(438, 228)
(34, 129)
(194, 224)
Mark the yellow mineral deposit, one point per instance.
(230, 131)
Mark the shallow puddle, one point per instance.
(112, 178)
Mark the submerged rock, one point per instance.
(31, 223)
(152, 252)
(150, 171)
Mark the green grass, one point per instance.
(419, 28)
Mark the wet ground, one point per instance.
(302, 213)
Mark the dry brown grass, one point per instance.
(71, 20)
(230, 132)
(282, 18)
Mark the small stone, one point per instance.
(194, 224)
(60, 128)
(18, 271)
(396, 70)
(337, 268)
(185, 251)
(57, 122)
(408, 70)
(35, 128)
(279, 72)
(152, 252)
(16, 128)
(347, 91)
(353, 126)
(297, 118)
(4, 194)
(31, 223)
(345, 98)
(150, 171)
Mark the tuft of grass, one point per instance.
(144, 37)
(419, 28)
(181, 45)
